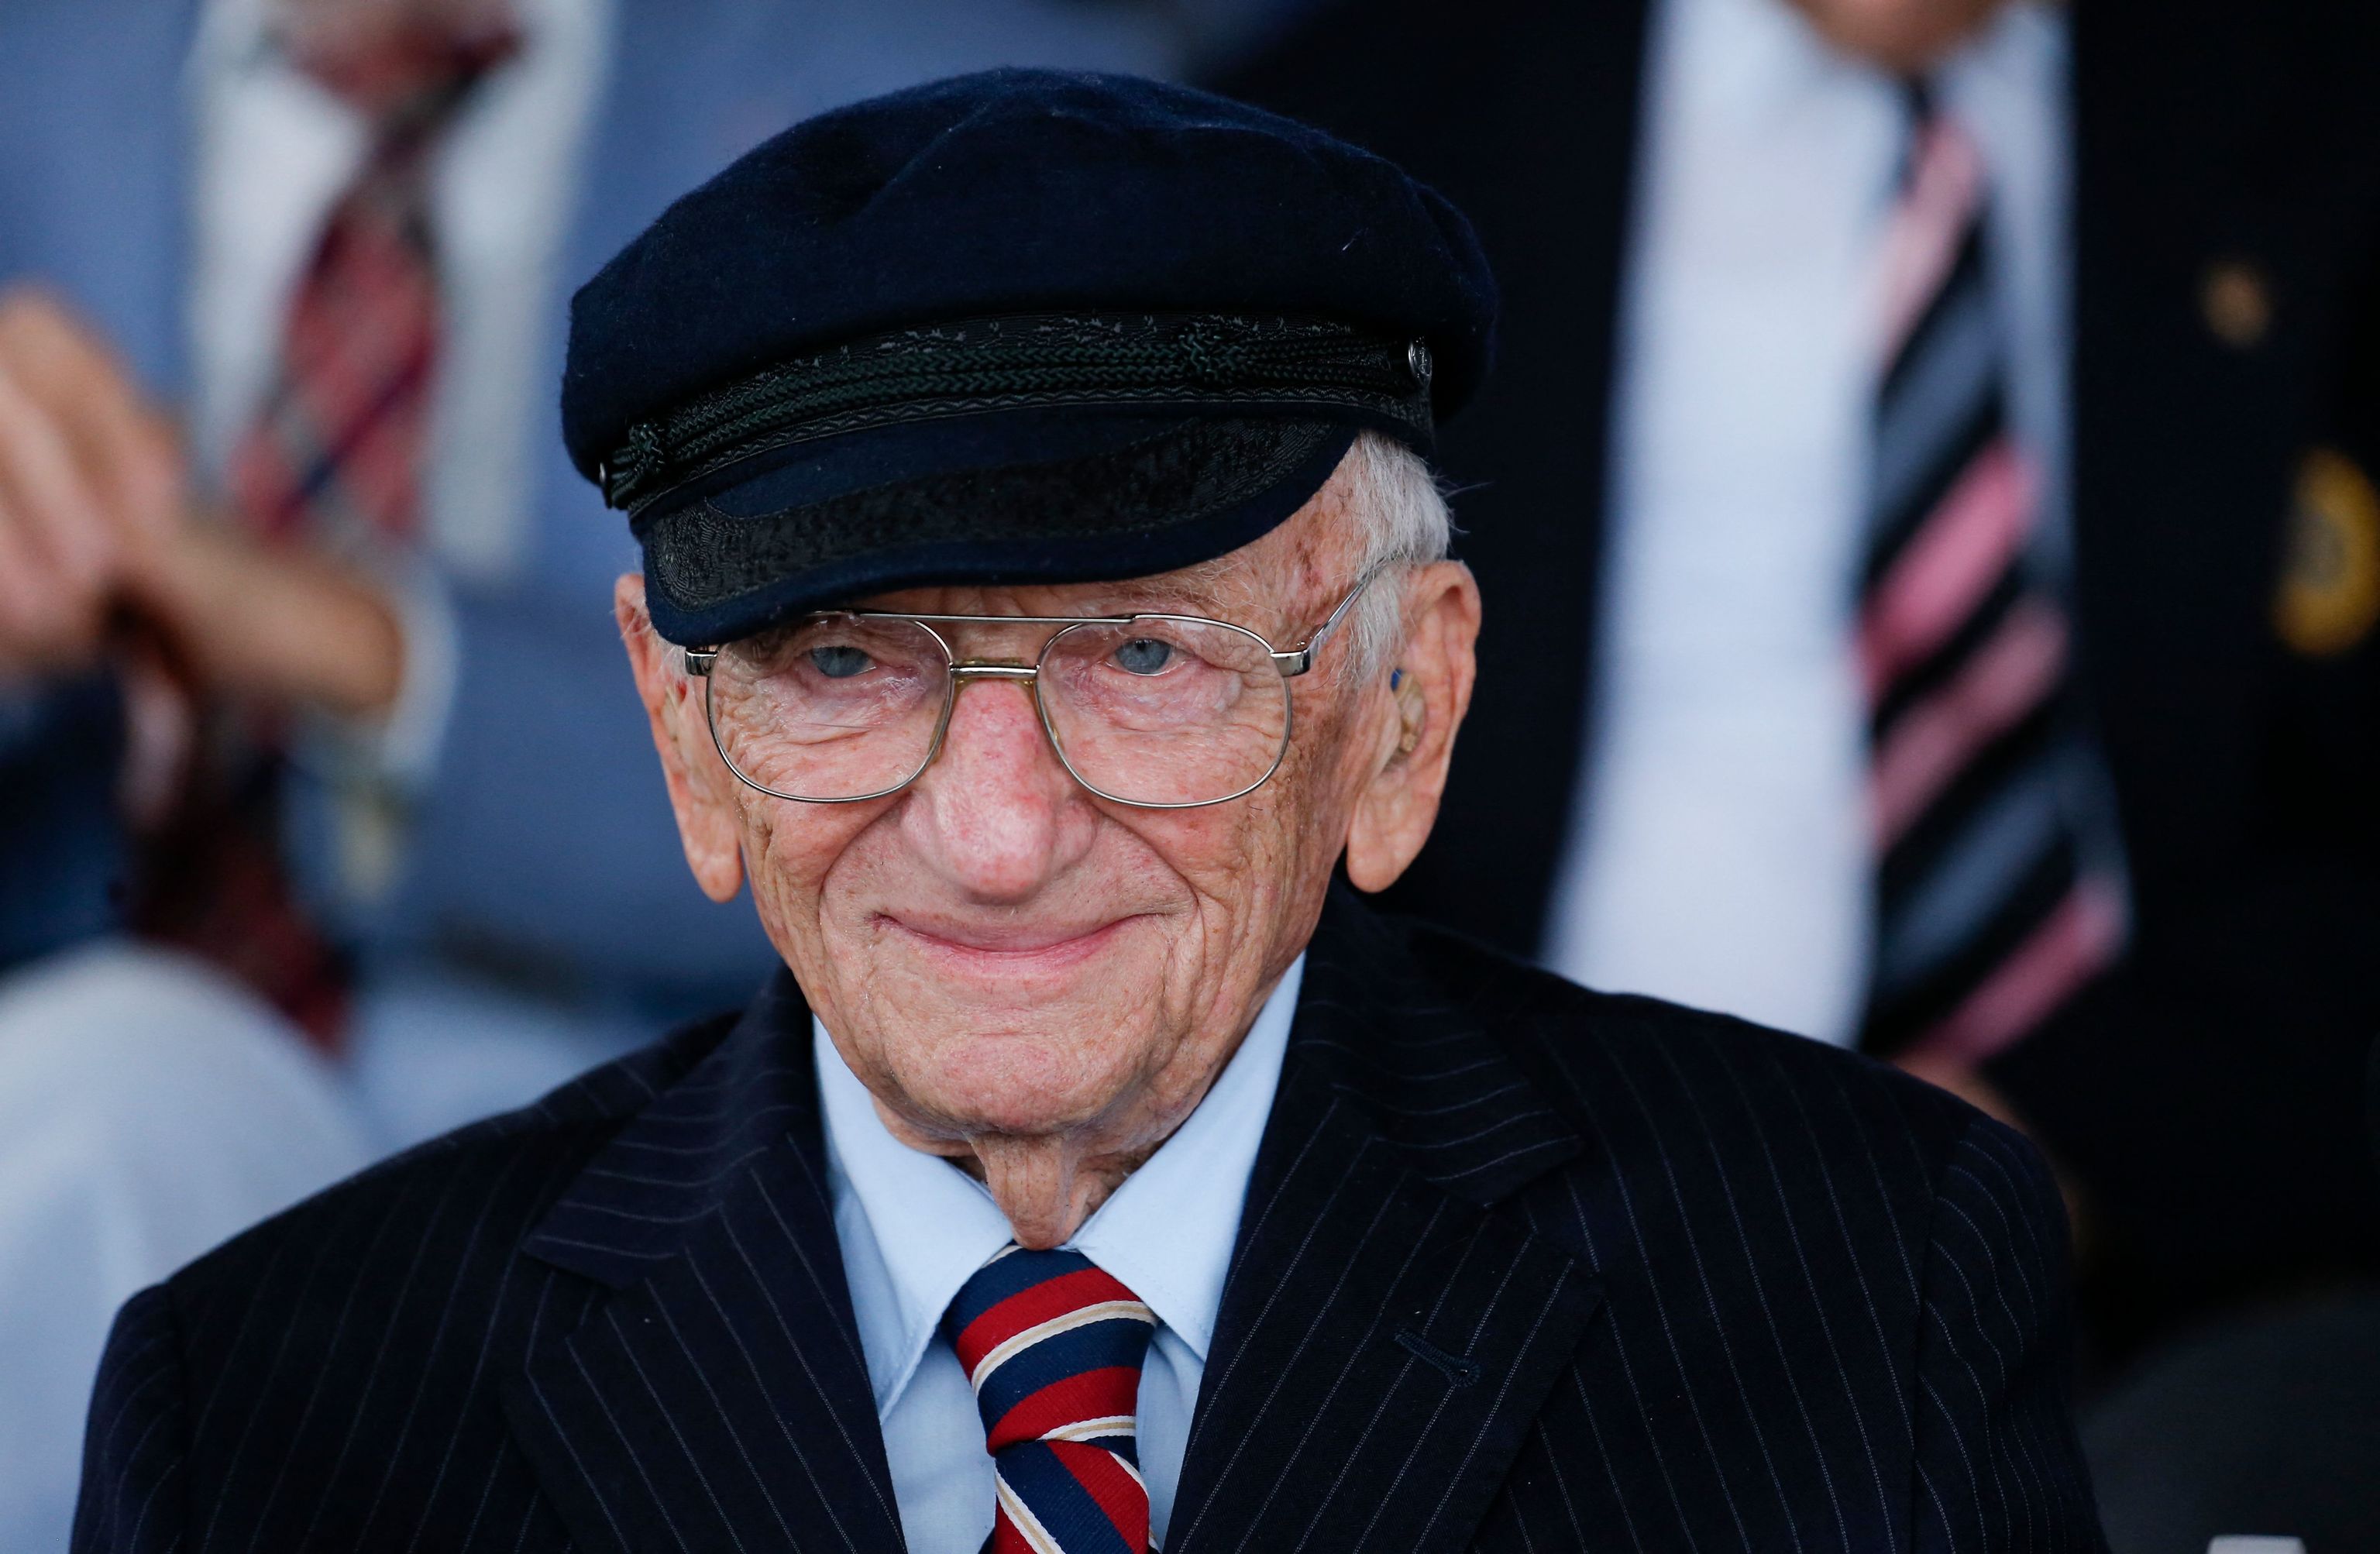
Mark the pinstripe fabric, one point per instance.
(1522, 1268)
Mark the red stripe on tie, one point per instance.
(2073, 944)
(1032, 1306)
(2010, 675)
(264, 489)
(1943, 574)
(1104, 1477)
(1927, 226)
(1091, 1395)
(1007, 1538)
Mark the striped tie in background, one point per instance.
(2000, 887)
(333, 464)
(335, 458)
(1053, 1347)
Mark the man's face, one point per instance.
(1904, 36)
(1024, 973)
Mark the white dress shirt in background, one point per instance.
(149, 1107)
(275, 150)
(913, 1227)
(1720, 854)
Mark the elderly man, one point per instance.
(1043, 595)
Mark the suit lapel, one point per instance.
(714, 1395)
(1386, 1336)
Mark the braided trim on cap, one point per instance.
(1220, 363)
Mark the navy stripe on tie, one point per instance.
(1012, 1273)
(1093, 1346)
(1059, 1501)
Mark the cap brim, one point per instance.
(1040, 496)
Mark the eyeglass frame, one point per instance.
(1291, 661)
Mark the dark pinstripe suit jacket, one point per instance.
(1521, 1268)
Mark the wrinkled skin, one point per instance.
(1035, 982)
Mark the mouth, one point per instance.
(1006, 950)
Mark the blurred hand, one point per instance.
(96, 520)
(87, 477)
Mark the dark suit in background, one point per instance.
(1521, 1268)
(2226, 323)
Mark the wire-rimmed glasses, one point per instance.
(1155, 710)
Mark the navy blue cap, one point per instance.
(1016, 326)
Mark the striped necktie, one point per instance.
(332, 462)
(335, 458)
(2000, 885)
(1053, 1348)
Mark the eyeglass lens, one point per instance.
(835, 708)
(1159, 711)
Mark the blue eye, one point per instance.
(840, 661)
(1144, 655)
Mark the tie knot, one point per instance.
(1054, 1346)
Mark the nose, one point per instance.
(996, 814)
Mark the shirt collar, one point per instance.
(914, 1227)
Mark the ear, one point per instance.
(1413, 740)
(701, 788)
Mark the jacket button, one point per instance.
(2237, 300)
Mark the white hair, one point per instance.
(1403, 523)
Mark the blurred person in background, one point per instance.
(1929, 499)
(311, 735)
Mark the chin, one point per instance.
(1057, 1068)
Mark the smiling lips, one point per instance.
(1028, 947)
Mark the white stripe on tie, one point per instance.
(1027, 1522)
(1114, 1424)
(1105, 1311)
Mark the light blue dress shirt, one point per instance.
(913, 1227)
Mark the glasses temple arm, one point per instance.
(1297, 660)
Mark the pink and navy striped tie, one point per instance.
(2000, 884)
(1053, 1348)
